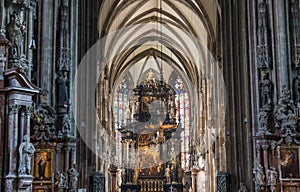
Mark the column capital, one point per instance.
(28, 109)
(265, 147)
(67, 149)
(14, 107)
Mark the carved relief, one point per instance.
(98, 183)
(285, 113)
(43, 119)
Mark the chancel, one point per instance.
(149, 95)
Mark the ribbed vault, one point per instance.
(176, 28)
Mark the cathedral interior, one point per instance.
(149, 95)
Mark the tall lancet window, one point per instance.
(121, 109)
(183, 113)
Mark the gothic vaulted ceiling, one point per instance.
(174, 33)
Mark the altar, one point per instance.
(151, 158)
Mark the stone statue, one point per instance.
(259, 175)
(296, 86)
(263, 119)
(136, 175)
(15, 34)
(26, 150)
(62, 90)
(266, 89)
(242, 188)
(272, 176)
(61, 179)
(73, 178)
(173, 174)
(167, 174)
(180, 174)
(114, 162)
(264, 116)
(66, 123)
(291, 120)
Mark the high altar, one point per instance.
(151, 143)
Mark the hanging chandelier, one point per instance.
(152, 90)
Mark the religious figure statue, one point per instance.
(61, 179)
(167, 174)
(242, 188)
(296, 86)
(62, 90)
(272, 176)
(26, 150)
(259, 176)
(180, 174)
(263, 119)
(266, 89)
(114, 162)
(66, 123)
(173, 174)
(291, 120)
(15, 34)
(73, 178)
(42, 166)
(136, 175)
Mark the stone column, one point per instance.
(126, 161)
(113, 174)
(259, 155)
(194, 179)
(21, 125)
(58, 158)
(27, 120)
(266, 159)
(12, 146)
(73, 156)
(67, 158)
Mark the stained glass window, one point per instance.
(183, 113)
(120, 107)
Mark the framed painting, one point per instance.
(43, 162)
(288, 162)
